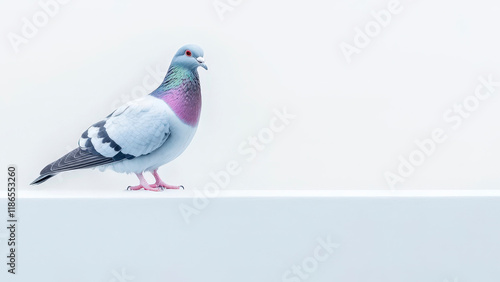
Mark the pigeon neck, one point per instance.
(181, 91)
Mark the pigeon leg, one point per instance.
(143, 184)
(160, 183)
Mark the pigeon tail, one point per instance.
(76, 159)
(42, 178)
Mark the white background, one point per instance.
(353, 119)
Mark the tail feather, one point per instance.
(42, 178)
(76, 159)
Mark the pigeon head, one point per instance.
(189, 56)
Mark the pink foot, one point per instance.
(160, 183)
(154, 189)
(137, 187)
(144, 185)
(166, 186)
(148, 188)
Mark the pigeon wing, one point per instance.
(135, 129)
(131, 131)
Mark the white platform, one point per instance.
(245, 236)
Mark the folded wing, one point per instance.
(135, 129)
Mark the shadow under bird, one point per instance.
(146, 133)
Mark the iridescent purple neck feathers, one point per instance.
(181, 91)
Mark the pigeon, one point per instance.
(146, 133)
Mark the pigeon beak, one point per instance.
(201, 61)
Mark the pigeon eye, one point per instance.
(188, 53)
